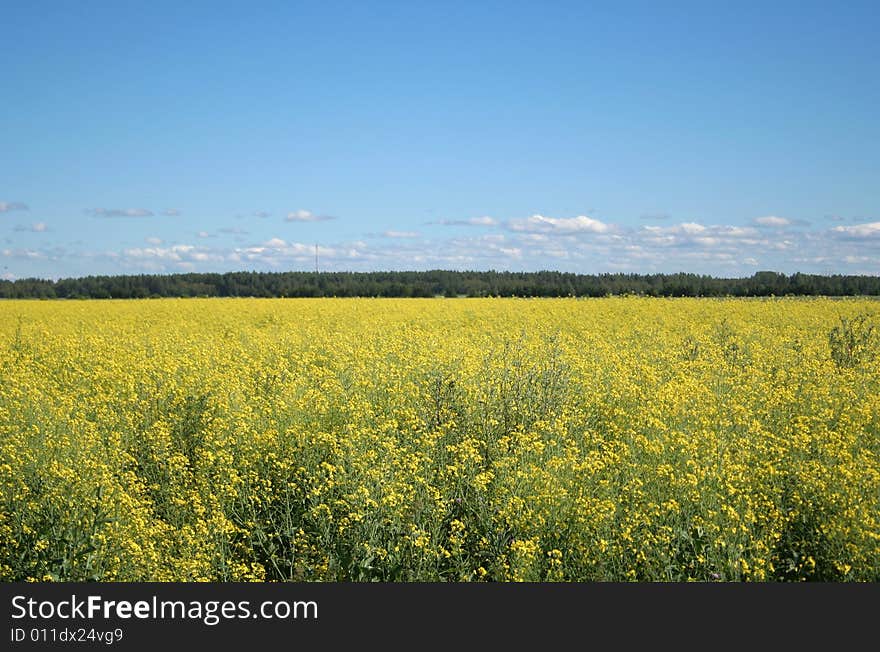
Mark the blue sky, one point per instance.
(707, 137)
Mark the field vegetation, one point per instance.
(622, 439)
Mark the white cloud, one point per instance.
(5, 207)
(28, 254)
(36, 227)
(736, 231)
(485, 220)
(685, 228)
(203, 234)
(306, 216)
(158, 259)
(869, 230)
(171, 212)
(771, 220)
(120, 212)
(400, 234)
(781, 245)
(173, 253)
(691, 228)
(693, 232)
(513, 252)
(262, 214)
(556, 252)
(277, 252)
(542, 224)
(576, 244)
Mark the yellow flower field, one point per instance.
(440, 440)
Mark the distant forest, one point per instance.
(435, 283)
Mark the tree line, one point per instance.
(436, 283)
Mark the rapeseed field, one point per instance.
(617, 439)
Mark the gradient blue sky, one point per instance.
(708, 137)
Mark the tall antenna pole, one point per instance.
(316, 258)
